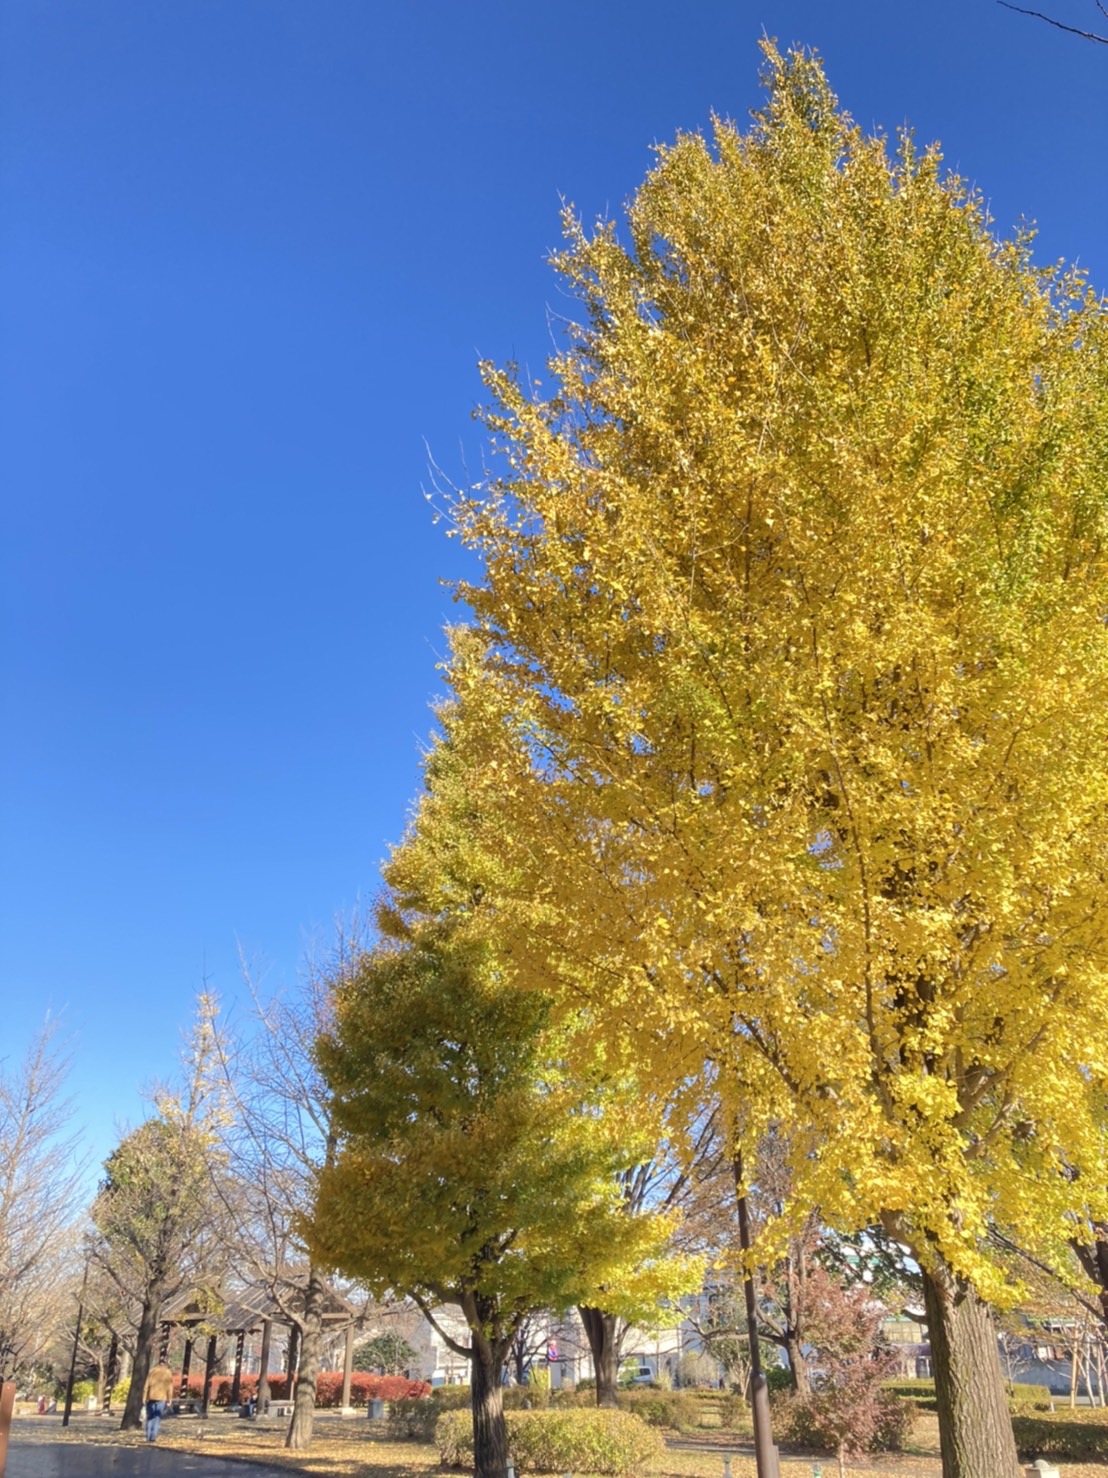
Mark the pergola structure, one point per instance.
(250, 1310)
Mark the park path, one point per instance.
(39, 1459)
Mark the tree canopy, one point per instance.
(158, 1209)
(785, 694)
(471, 1168)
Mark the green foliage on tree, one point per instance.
(157, 1209)
(472, 1169)
(390, 1354)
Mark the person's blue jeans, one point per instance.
(155, 1410)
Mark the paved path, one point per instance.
(94, 1460)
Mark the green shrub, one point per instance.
(734, 1411)
(414, 1419)
(1076, 1437)
(677, 1409)
(450, 1398)
(574, 1441)
(1021, 1395)
(82, 1390)
(120, 1391)
(920, 1392)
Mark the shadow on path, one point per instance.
(79, 1460)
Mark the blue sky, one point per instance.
(250, 253)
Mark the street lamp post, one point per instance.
(765, 1453)
(76, 1341)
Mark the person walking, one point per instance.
(157, 1393)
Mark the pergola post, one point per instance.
(163, 1349)
(186, 1362)
(347, 1371)
(209, 1371)
(111, 1374)
(293, 1355)
(263, 1368)
(236, 1379)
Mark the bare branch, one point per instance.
(40, 1175)
(1060, 25)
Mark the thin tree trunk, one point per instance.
(975, 1430)
(490, 1435)
(144, 1348)
(263, 1367)
(798, 1365)
(1075, 1370)
(602, 1332)
(303, 1412)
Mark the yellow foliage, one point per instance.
(472, 1165)
(783, 720)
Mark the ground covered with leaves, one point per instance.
(351, 1449)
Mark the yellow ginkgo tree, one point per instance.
(786, 690)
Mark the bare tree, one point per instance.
(40, 1174)
(1061, 25)
(279, 1134)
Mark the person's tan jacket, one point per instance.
(159, 1384)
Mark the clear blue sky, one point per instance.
(250, 251)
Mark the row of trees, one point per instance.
(197, 1201)
(776, 767)
(769, 804)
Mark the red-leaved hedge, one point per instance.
(328, 1391)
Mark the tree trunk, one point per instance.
(303, 1412)
(144, 1348)
(602, 1331)
(975, 1430)
(490, 1435)
(263, 1367)
(798, 1365)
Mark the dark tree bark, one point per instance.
(604, 1334)
(1093, 1258)
(793, 1346)
(144, 1349)
(299, 1434)
(490, 1435)
(975, 1430)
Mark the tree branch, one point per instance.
(1061, 26)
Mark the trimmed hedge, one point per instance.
(1076, 1437)
(365, 1387)
(328, 1390)
(677, 1409)
(1025, 1395)
(922, 1394)
(450, 1398)
(553, 1441)
(414, 1420)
